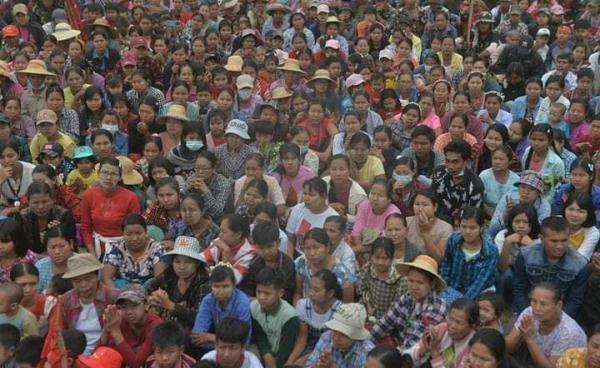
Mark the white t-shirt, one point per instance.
(346, 255)
(89, 324)
(302, 219)
(250, 360)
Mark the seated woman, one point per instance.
(470, 261)
(447, 344)
(136, 259)
(425, 229)
(184, 282)
(234, 153)
(488, 348)
(543, 331)
(344, 193)
(291, 175)
(583, 234)
(583, 356)
(15, 249)
(59, 246)
(42, 214)
(194, 222)
(164, 212)
(498, 179)
(368, 167)
(404, 321)
(27, 276)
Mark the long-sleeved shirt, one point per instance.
(136, 349)
(497, 223)
(218, 195)
(211, 311)
(454, 196)
(356, 357)
(275, 332)
(103, 212)
(240, 256)
(469, 276)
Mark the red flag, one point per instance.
(54, 353)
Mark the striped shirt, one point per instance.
(240, 256)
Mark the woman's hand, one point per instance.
(142, 128)
(526, 240)
(425, 224)
(199, 185)
(527, 328)
(339, 208)
(431, 341)
(161, 298)
(224, 247)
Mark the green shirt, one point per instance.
(275, 332)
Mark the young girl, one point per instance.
(441, 97)
(216, 125)
(554, 93)
(184, 155)
(368, 167)
(522, 230)
(253, 193)
(314, 311)
(429, 117)
(14, 247)
(194, 222)
(526, 107)
(580, 129)
(541, 157)
(491, 308)
(582, 176)
(396, 231)
(477, 265)
(320, 129)
(301, 138)
(495, 137)
(498, 179)
(518, 136)
(457, 130)
(493, 114)
(404, 184)
(165, 211)
(583, 234)
(383, 149)
(180, 96)
(390, 105)
(292, 174)
(121, 105)
(110, 122)
(90, 114)
(317, 256)
(341, 140)
(380, 284)
(75, 80)
(371, 214)
(475, 82)
(402, 132)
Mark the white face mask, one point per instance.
(110, 127)
(194, 145)
(245, 94)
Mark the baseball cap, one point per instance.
(20, 8)
(129, 59)
(46, 116)
(532, 179)
(563, 29)
(4, 119)
(323, 8)
(10, 31)
(244, 81)
(543, 32)
(53, 149)
(103, 357)
(332, 44)
(386, 54)
(134, 293)
(138, 42)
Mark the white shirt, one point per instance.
(250, 360)
(89, 324)
(302, 219)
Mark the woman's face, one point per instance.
(576, 113)
(410, 118)
(521, 225)
(361, 104)
(318, 293)
(441, 92)
(457, 128)
(252, 197)
(533, 90)
(316, 253)
(316, 113)
(539, 142)
(109, 177)
(198, 47)
(28, 284)
(487, 313)
(423, 204)
(146, 113)
(360, 153)
(480, 356)
(381, 141)
(227, 235)
(174, 127)
(426, 104)
(575, 215)
(204, 168)
(378, 197)
(395, 230)
(184, 267)
(351, 124)
(493, 140)
(102, 147)
(12, 109)
(515, 132)
(9, 158)
(41, 204)
(298, 43)
(168, 198)
(191, 213)
(580, 179)
(376, 35)
(461, 104)
(458, 324)
(180, 95)
(59, 250)
(389, 104)
(544, 306)
(419, 284)
(135, 237)
(339, 171)
(139, 84)
(299, 104)
(55, 102)
(470, 230)
(475, 84)
(224, 101)
(500, 161)
(253, 170)
(291, 164)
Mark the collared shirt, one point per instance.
(72, 304)
(180, 228)
(131, 269)
(454, 196)
(159, 216)
(380, 294)
(215, 200)
(135, 98)
(356, 357)
(409, 319)
(469, 276)
(232, 166)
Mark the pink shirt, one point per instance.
(367, 219)
(580, 133)
(432, 121)
(286, 183)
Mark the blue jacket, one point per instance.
(519, 108)
(562, 196)
(532, 267)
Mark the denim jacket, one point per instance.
(569, 273)
(519, 108)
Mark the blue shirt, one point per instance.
(44, 266)
(356, 357)
(469, 277)
(494, 190)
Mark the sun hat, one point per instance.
(175, 111)
(46, 116)
(10, 31)
(533, 179)
(238, 127)
(332, 44)
(103, 357)
(386, 54)
(557, 9)
(279, 93)
(349, 319)
(81, 264)
(20, 8)
(4, 119)
(234, 63)
(272, 8)
(423, 263)
(138, 42)
(4, 69)
(134, 293)
(485, 17)
(320, 74)
(129, 175)
(37, 67)
(81, 152)
(354, 80)
(543, 32)
(292, 65)
(332, 19)
(63, 31)
(104, 23)
(322, 8)
(52, 150)
(244, 81)
(184, 246)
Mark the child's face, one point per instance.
(268, 252)
(222, 290)
(263, 139)
(436, 45)
(492, 105)
(576, 113)
(229, 354)
(115, 90)
(584, 83)
(252, 197)
(85, 166)
(94, 103)
(382, 141)
(204, 98)
(555, 114)
(487, 314)
(381, 261)
(268, 296)
(180, 95)
(553, 91)
(6, 305)
(378, 84)
(595, 129)
(167, 357)
(315, 113)
(121, 109)
(335, 69)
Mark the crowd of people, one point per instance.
(319, 184)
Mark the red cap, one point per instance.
(128, 59)
(103, 357)
(138, 42)
(10, 31)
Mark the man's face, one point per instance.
(229, 354)
(455, 164)
(167, 357)
(555, 243)
(133, 313)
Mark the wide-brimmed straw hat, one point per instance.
(349, 319)
(292, 65)
(63, 31)
(272, 8)
(187, 246)
(234, 63)
(82, 264)
(333, 19)
(175, 112)
(129, 175)
(427, 264)
(104, 23)
(280, 93)
(37, 67)
(320, 74)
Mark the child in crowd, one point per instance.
(152, 148)
(556, 118)
(168, 346)
(491, 307)
(9, 338)
(264, 132)
(15, 314)
(75, 343)
(28, 352)
(336, 226)
(47, 126)
(560, 145)
(85, 175)
(231, 338)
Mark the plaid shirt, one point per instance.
(469, 277)
(356, 357)
(409, 319)
(215, 200)
(158, 216)
(380, 294)
(232, 166)
(68, 121)
(401, 136)
(135, 99)
(453, 196)
(72, 305)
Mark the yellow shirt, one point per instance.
(38, 141)
(372, 168)
(456, 64)
(69, 97)
(88, 181)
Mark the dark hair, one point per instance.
(54, 87)
(587, 166)
(222, 273)
(384, 244)
(330, 281)
(152, 102)
(554, 223)
(553, 288)
(23, 269)
(532, 217)
(167, 182)
(461, 147)
(271, 277)
(265, 234)
(196, 197)
(209, 156)
(12, 144)
(493, 340)
(420, 130)
(495, 299)
(319, 235)
(9, 335)
(317, 185)
(390, 357)
(237, 224)
(475, 213)
(470, 308)
(101, 132)
(39, 187)
(506, 150)
(232, 330)
(387, 185)
(153, 139)
(75, 342)
(359, 138)
(260, 185)
(554, 78)
(62, 231)
(159, 162)
(405, 161)
(339, 221)
(500, 129)
(585, 202)
(264, 127)
(29, 350)
(395, 216)
(110, 161)
(461, 116)
(289, 148)
(267, 208)
(167, 334)
(12, 230)
(134, 219)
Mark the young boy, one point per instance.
(275, 322)
(556, 118)
(168, 341)
(47, 126)
(223, 301)
(266, 239)
(75, 343)
(128, 326)
(264, 132)
(585, 83)
(84, 176)
(203, 99)
(28, 352)
(12, 312)
(541, 42)
(491, 307)
(564, 62)
(232, 335)
(9, 338)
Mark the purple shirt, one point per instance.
(579, 134)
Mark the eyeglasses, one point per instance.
(109, 173)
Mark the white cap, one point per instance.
(323, 8)
(332, 44)
(239, 128)
(244, 81)
(543, 32)
(386, 54)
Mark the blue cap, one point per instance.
(82, 152)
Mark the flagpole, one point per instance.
(470, 23)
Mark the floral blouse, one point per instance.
(131, 269)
